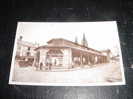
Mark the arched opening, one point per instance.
(54, 57)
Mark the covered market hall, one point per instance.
(67, 54)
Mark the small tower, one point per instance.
(76, 40)
(20, 38)
(84, 41)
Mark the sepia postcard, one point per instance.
(67, 54)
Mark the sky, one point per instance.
(100, 35)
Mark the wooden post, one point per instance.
(88, 60)
(81, 59)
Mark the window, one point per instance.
(28, 48)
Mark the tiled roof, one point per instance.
(61, 39)
(78, 46)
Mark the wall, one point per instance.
(67, 58)
(43, 53)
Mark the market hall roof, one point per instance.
(63, 43)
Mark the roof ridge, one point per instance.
(74, 43)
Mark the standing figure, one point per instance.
(48, 63)
(37, 65)
(55, 62)
(41, 66)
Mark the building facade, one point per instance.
(67, 54)
(25, 49)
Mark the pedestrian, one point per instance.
(41, 66)
(37, 66)
(50, 65)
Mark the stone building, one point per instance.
(67, 54)
(25, 49)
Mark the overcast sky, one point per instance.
(100, 35)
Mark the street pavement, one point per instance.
(101, 73)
